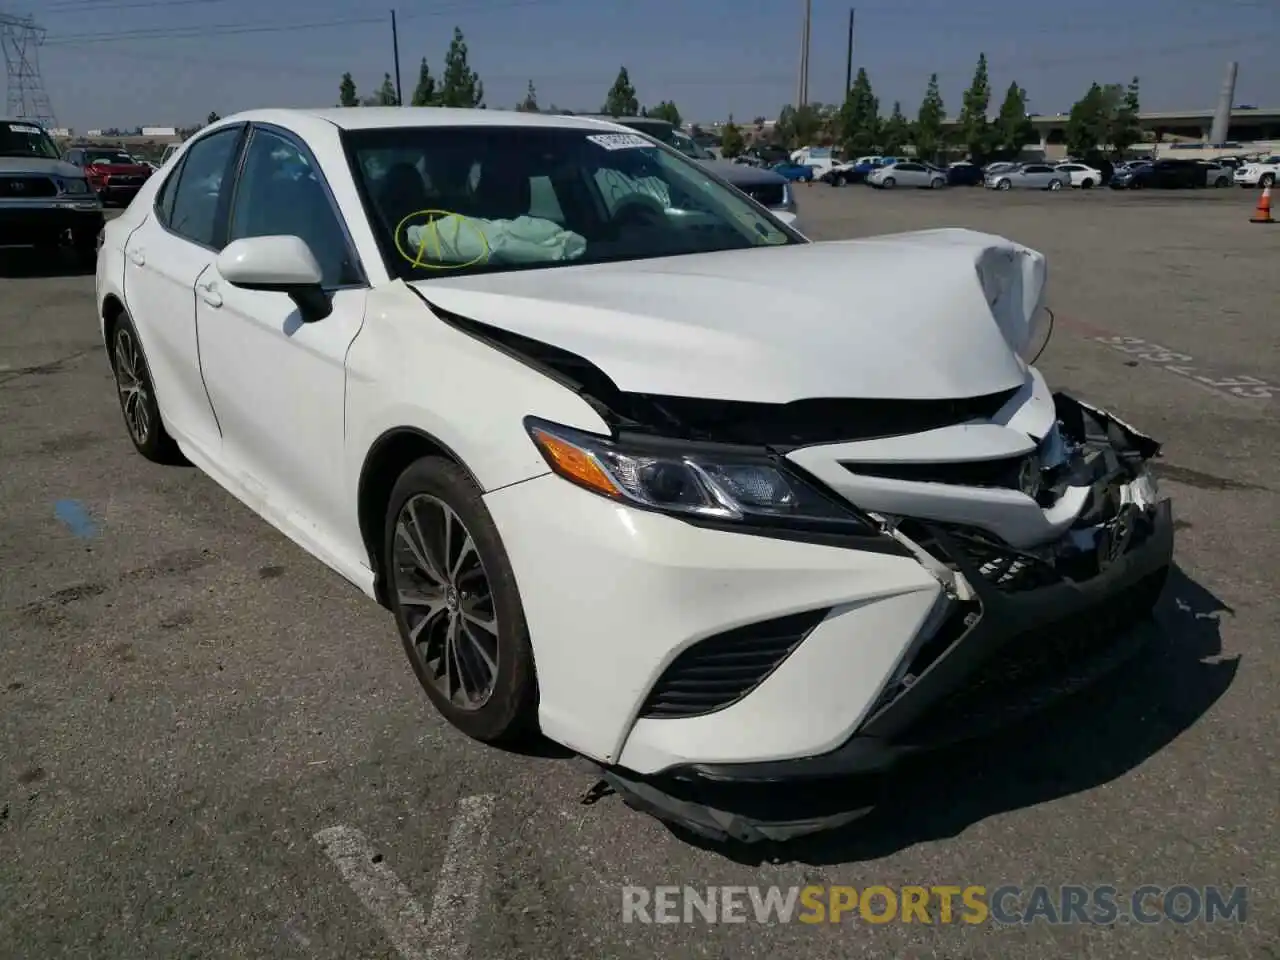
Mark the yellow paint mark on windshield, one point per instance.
(431, 232)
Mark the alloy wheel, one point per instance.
(132, 383)
(446, 599)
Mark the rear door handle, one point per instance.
(137, 256)
(209, 294)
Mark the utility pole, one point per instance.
(395, 46)
(848, 60)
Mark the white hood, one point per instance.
(937, 314)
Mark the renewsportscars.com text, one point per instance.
(942, 904)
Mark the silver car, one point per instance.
(1029, 176)
(908, 173)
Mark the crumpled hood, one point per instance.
(41, 165)
(937, 314)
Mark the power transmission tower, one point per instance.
(20, 37)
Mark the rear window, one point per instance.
(445, 201)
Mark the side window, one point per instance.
(193, 211)
(165, 195)
(280, 193)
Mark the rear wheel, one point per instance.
(1087, 185)
(1055, 184)
(937, 183)
(137, 395)
(456, 604)
(1267, 180)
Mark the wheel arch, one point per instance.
(387, 458)
(113, 309)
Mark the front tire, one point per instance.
(456, 603)
(1267, 180)
(888, 183)
(1004, 185)
(137, 393)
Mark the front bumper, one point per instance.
(639, 622)
(48, 221)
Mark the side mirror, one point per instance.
(280, 264)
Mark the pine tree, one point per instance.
(731, 141)
(459, 85)
(424, 94)
(927, 133)
(347, 92)
(621, 101)
(1126, 130)
(387, 92)
(1013, 130)
(895, 133)
(530, 102)
(668, 111)
(860, 116)
(974, 129)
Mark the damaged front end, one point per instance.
(1018, 630)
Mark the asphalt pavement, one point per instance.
(211, 746)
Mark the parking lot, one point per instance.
(212, 746)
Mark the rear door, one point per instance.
(164, 257)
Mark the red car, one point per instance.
(115, 175)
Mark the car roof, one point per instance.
(382, 118)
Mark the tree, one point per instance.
(460, 86)
(797, 128)
(927, 134)
(975, 132)
(731, 142)
(347, 92)
(1013, 129)
(386, 93)
(530, 102)
(895, 132)
(621, 101)
(1125, 128)
(667, 110)
(859, 118)
(424, 94)
(1088, 122)
(211, 119)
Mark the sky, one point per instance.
(125, 63)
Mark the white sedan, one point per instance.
(629, 460)
(1082, 176)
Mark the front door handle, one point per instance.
(209, 294)
(137, 256)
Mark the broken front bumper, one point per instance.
(1007, 648)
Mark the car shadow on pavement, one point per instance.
(1092, 739)
(23, 263)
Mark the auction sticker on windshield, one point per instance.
(23, 128)
(619, 141)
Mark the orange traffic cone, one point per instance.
(1263, 212)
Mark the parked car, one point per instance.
(794, 171)
(1258, 173)
(44, 201)
(1216, 174)
(1000, 166)
(567, 455)
(908, 173)
(114, 175)
(964, 174)
(764, 186)
(1028, 176)
(1160, 174)
(1080, 175)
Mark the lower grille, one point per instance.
(1042, 664)
(1000, 565)
(724, 668)
(767, 194)
(24, 187)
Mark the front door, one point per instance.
(277, 383)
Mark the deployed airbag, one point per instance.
(457, 241)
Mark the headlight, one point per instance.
(726, 485)
(75, 186)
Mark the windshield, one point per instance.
(19, 139)
(108, 158)
(448, 201)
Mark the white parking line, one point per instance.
(445, 935)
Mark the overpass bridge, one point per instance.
(1247, 125)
